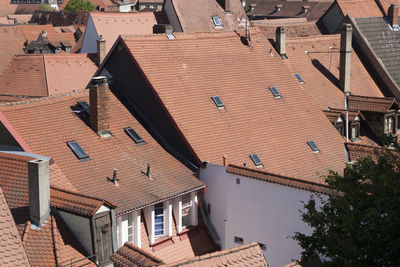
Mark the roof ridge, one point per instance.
(374, 97)
(40, 99)
(79, 194)
(56, 245)
(25, 233)
(299, 39)
(143, 252)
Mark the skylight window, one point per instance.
(256, 160)
(218, 102)
(313, 146)
(298, 77)
(78, 150)
(84, 106)
(275, 92)
(134, 135)
(217, 21)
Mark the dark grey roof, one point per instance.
(384, 41)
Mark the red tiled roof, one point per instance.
(359, 151)
(36, 124)
(245, 255)
(12, 253)
(371, 104)
(295, 27)
(196, 15)
(360, 8)
(253, 121)
(317, 60)
(273, 178)
(42, 75)
(76, 203)
(131, 255)
(334, 114)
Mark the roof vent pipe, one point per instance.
(98, 106)
(39, 191)
(148, 173)
(345, 57)
(281, 41)
(228, 6)
(101, 50)
(224, 160)
(393, 14)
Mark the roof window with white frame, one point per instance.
(217, 21)
(275, 92)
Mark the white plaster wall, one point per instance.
(89, 44)
(256, 211)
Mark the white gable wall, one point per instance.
(89, 44)
(255, 211)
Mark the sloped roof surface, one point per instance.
(317, 60)
(359, 151)
(46, 74)
(334, 114)
(131, 255)
(297, 27)
(196, 15)
(12, 253)
(372, 104)
(47, 125)
(360, 8)
(384, 42)
(253, 121)
(111, 25)
(245, 255)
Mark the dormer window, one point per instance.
(256, 160)
(217, 21)
(78, 151)
(389, 124)
(355, 131)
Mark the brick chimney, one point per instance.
(228, 6)
(393, 14)
(281, 41)
(39, 191)
(345, 57)
(101, 50)
(98, 106)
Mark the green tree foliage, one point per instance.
(77, 5)
(45, 7)
(359, 225)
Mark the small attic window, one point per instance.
(217, 21)
(256, 160)
(313, 146)
(78, 151)
(275, 92)
(298, 77)
(218, 102)
(134, 135)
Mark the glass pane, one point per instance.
(77, 149)
(186, 217)
(186, 200)
(134, 135)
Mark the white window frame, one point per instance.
(124, 223)
(190, 206)
(178, 207)
(163, 220)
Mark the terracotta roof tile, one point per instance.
(371, 104)
(298, 27)
(76, 203)
(209, 64)
(131, 255)
(334, 114)
(360, 8)
(358, 151)
(48, 136)
(245, 255)
(317, 60)
(12, 253)
(196, 15)
(43, 75)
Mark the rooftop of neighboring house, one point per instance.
(13, 38)
(372, 104)
(360, 8)
(15, 19)
(196, 15)
(12, 252)
(295, 27)
(41, 75)
(98, 4)
(250, 119)
(111, 25)
(359, 151)
(384, 42)
(8, 8)
(51, 244)
(246, 255)
(310, 10)
(317, 60)
(60, 18)
(48, 126)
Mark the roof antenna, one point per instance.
(114, 179)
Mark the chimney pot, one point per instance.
(345, 57)
(39, 191)
(227, 6)
(281, 41)
(101, 50)
(98, 106)
(393, 15)
(225, 160)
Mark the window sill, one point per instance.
(185, 230)
(161, 240)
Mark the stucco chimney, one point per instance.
(98, 106)
(101, 50)
(345, 57)
(393, 14)
(281, 41)
(228, 6)
(39, 191)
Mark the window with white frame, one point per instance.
(389, 125)
(131, 228)
(159, 220)
(186, 208)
